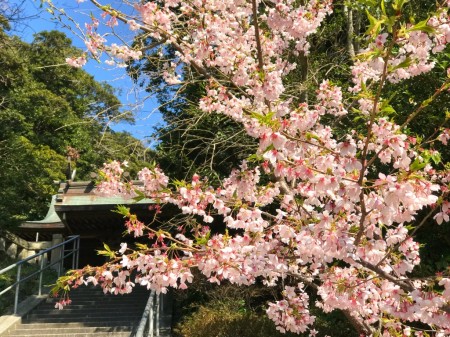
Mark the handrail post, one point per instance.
(16, 295)
(61, 260)
(77, 244)
(41, 274)
(78, 252)
(151, 319)
(157, 315)
(73, 254)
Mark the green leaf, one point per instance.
(383, 8)
(398, 4)
(106, 247)
(390, 22)
(405, 64)
(254, 158)
(140, 196)
(141, 246)
(374, 25)
(427, 102)
(107, 252)
(418, 165)
(310, 136)
(179, 183)
(203, 240)
(263, 119)
(423, 27)
(262, 75)
(122, 210)
(388, 110)
(436, 157)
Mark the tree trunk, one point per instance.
(350, 31)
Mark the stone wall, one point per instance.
(18, 248)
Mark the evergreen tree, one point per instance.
(46, 108)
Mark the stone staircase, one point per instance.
(91, 314)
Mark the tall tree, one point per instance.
(47, 107)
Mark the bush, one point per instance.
(208, 310)
(226, 318)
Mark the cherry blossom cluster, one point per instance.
(330, 99)
(111, 180)
(444, 137)
(76, 62)
(193, 199)
(135, 226)
(292, 314)
(414, 47)
(154, 181)
(444, 214)
(337, 213)
(61, 304)
(124, 53)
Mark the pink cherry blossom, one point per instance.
(324, 210)
(76, 62)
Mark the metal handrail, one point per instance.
(74, 252)
(149, 324)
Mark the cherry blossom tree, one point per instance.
(312, 208)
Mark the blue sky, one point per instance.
(145, 109)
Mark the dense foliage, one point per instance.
(46, 109)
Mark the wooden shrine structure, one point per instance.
(77, 210)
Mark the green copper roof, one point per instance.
(51, 216)
(90, 199)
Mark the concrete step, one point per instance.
(91, 306)
(117, 329)
(91, 314)
(86, 319)
(57, 333)
(103, 295)
(80, 329)
(97, 303)
(86, 311)
(69, 325)
(71, 331)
